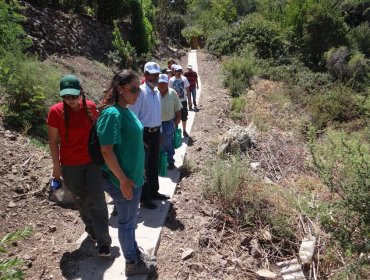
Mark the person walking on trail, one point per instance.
(181, 85)
(121, 138)
(148, 110)
(69, 124)
(192, 77)
(171, 116)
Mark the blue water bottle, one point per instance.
(55, 184)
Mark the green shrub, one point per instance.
(339, 104)
(343, 162)
(191, 32)
(238, 71)
(30, 86)
(248, 201)
(9, 267)
(347, 66)
(253, 29)
(359, 38)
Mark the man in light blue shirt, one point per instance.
(148, 110)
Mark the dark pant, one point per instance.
(168, 129)
(184, 111)
(151, 186)
(193, 92)
(85, 182)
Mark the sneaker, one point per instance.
(171, 166)
(141, 255)
(104, 251)
(185, 134)
(140, 267)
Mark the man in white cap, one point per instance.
(148, 110)
(181, 85)
(192, 77)
(171, 116)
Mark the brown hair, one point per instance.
(84, 105)
(111, 95)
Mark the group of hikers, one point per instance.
(134, 122)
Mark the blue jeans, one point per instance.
(168, 130)
(193, 92)
(127, 219)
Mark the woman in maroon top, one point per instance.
(69, 124)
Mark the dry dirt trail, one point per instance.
(189, 225)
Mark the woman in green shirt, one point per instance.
(121, 139)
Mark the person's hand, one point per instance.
(197, 87)
(126, 186)
(57, 172)
(146, 145)
(177, 121)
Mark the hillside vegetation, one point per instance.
(297, 70)
(318, 53)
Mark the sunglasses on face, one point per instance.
(70, 97)
(133, 90)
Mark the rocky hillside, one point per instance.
(56, 32)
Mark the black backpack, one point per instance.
(94, 146)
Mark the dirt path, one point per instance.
(188, 225)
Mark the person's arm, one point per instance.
(126, 185)
(196, 80)
(177, 117)
(187, 88)
(53, 134)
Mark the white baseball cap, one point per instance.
(152, 68)
(190, 66)
(163, 78)
(178, 67)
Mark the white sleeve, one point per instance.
(186, 82)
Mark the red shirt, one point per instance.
(74, 151)
(192, 78)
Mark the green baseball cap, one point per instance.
(69, 85)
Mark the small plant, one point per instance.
(9, 268)
(237, 106)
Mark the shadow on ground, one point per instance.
(69, 263)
